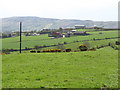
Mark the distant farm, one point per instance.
(71, 58)
(61, 40)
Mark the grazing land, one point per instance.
(89, 69)
(81, 69)
(31, 41)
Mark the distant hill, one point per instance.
(37, 23)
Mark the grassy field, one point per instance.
(90, 69)
(92, 44)
(0, 72)
(31, 41)
(85, 29)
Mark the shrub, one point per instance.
(44, 46)
(117, 42)
(68, 49)
(33, 51)
(94, 39)
(83, 47)
(6, 51)
(109, 44)
(65, 42)
(36, 47)
(97, 47)
(26, 48)
(92, 49)
(38, 51)
(100, 33)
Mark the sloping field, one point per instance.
(74, 46)
(31, 41)
(88, 69)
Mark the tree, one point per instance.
(4, 35)
(60, 29)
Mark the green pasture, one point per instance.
(0, 72)
(85, 29)
(31, 41)
(91, 44)
(88, 69)
(90, 30)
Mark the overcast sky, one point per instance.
(97, 10)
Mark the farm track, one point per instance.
(12, 50)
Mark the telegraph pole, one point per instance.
(20, 35)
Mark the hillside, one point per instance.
(41, 40)
(37, 23)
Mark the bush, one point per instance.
(109, 44)
(68, 49)
(65, 42)
(36, 47)
(97, 47)
(100, 33)
(33, 51)
(6, 51)
(117, 42)
(44, 46)
(83, 47)
(94, 39)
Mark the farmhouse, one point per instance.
(68, 34)
(55, 34)
(35, 34)
(80, 26)
(73, 30)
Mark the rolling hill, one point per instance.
(37, 23)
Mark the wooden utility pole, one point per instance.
(20, 35)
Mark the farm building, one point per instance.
(73, 30)
(80, 33)
(80, 26)
(35, 34)
(68, 34)
(55, 34)
(58, 34)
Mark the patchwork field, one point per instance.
(31, 41)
